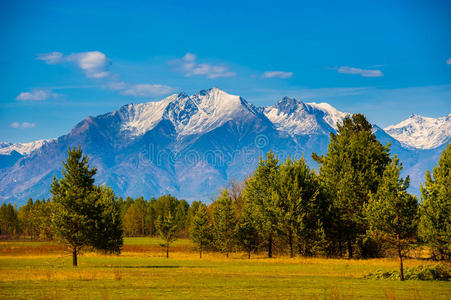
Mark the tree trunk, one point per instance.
(290, 240)
(349, 248)
(270, 246)
(248, 254)
(74, 257)
(167, 251)
(401, 267)
(200, 251)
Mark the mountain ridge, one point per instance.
(188, 145)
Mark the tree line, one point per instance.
(355, 205)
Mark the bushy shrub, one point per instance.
(427, 272)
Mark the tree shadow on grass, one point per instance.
(149, 267)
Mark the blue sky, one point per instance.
(61, 61)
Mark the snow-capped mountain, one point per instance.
(299, 118)
(22, 148)
(422, 132)
(189, 146)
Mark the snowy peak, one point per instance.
(298, 118)
(22, 148)
(422, 132)
(194, 114)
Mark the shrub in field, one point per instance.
(427, 272)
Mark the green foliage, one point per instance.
(435, 208)
(350, 170)
(201, 230)
(224, 223)
(427, 272)
(108, 228)
(171, 219)
(392, 213)
(246, 232)
(261, 193)
(84, 214)
(9, 221)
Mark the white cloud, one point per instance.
(361, 72)
(36, 95)
(93, 63)
(51, 58)
(448, 61)
(189, 67)
(22, 125)
(277, 74)
(146, 90)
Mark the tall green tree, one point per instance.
(74, 197)
(247, 233)
(392, 212)
(84, 215)
(224, 223)
(261, 191)
(201, 229)
(435, 208)
(108, 227)
(350, 170)
(172, 215)
(9, 220)
(298, 204)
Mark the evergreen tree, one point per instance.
(109, 225)
(246, 232)
(9, 221)
(84, 214)
(172, 215)
(224, 223)
(350, 170)
(74, 196)
(201, 231)
(168, 229)
(298, 204)
(261, 191)
(392, 212)
(435, 208)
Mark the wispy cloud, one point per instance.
(277, 74)
(36, 95)
(448, 61)
(189, 67)
(94, 64)
(23, 125)
(145, 90)
(361, 72)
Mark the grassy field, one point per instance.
(43, 270)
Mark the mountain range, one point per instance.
(191, 146)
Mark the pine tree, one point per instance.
(392, 212)
(109, 225)
(261, 191)
(246, 232)
(201, 231)
(298, 204)
(168, 229)
(350, 170)
(224, 223)
(435, 208)
(74, 197)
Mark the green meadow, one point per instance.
(44, 270)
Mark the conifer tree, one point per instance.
(224, 223)
(246, 232)
(74, 197)
(168, 229)
(392, 212)
(435, 208)
(108, 227)
(350, 170)
(201, 231)
(261, 191)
